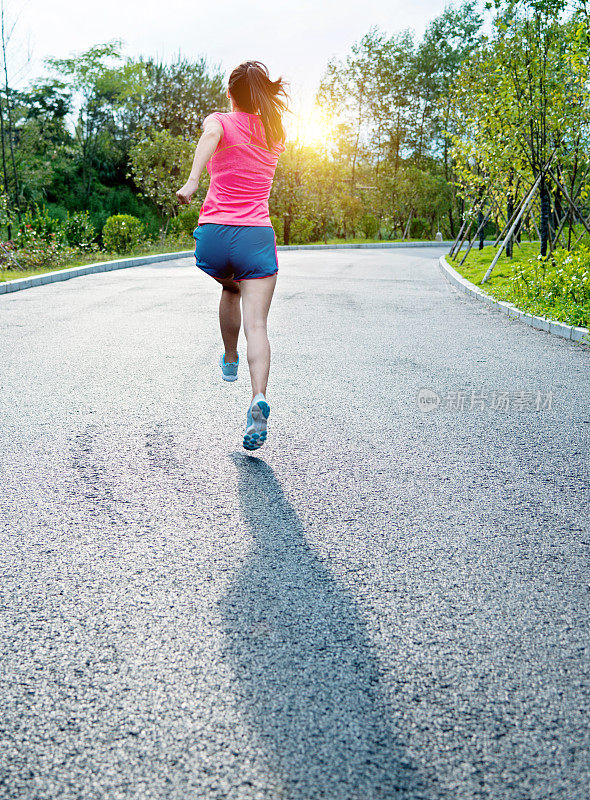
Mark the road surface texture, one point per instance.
(385, 601)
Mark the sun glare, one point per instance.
(312, 129)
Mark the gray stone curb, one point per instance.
(368, 245)
(571, 332)
(105, 266)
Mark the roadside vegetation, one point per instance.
(520, 134)
(105, 135)
(556, 286)
(478, 128)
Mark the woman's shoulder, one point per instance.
(214, 119)
(233, 115)
(229, 120)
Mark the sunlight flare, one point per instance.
(312, 129)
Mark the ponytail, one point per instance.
(254, 92)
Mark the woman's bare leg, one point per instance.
(230, 319)
(256, 298)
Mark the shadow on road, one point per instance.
(304, 671)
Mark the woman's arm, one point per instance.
(212, 133)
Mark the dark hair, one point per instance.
(253, 91)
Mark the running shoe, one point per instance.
(255, 435)
(229, 372)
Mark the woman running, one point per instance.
(235, 240)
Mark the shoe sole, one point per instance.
(255, 435)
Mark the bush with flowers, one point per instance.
(45, 242)
(38, 224)
(38, 254)
(40, 242)
(80, 232)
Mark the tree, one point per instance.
(390, 95)
(521, 98)
(158, 162)
(6, 120)
(175, 97)
(288, 198)
(101, 89)
(448, 41)
(347, 88)
(45, 149)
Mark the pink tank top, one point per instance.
(242, 170)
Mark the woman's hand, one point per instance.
(185, 193)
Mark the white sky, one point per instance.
(294, 38)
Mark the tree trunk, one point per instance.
(10, 127)
(481, 229)
(4, 169)
(509, 214)
(286, 228)
(558, 212)
(544, 226)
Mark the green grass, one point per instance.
(500, 286)
(478, 261)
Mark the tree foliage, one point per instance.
(391, 97)
(158, 162)
(427, 131)
(520, 99)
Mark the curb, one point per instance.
(575, 334)
(369, 245)
(105, 266)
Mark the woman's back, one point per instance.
(242, 170)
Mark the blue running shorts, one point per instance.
(236, 251)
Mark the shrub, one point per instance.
(277, 224)
(557, 285)
(38, 224)
(185, 223)
(369, 226)
(105, 201)
(301, 231)
(79, 230)
(121, 233)
(420, 228)
(39, 254)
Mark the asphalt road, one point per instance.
(383, 602)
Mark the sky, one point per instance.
(295, 38)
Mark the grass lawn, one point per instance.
(499, 285)
(478, 261)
